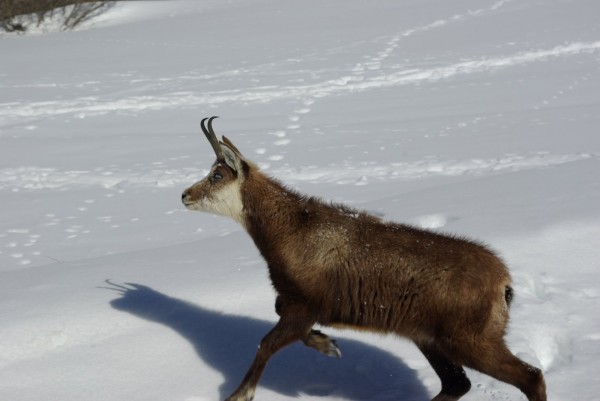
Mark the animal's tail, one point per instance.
(508, 295)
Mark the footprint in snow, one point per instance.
(431, 221)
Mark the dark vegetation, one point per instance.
(19, 15)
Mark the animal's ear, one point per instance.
(231, 146)
(233, 157)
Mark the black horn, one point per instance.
(212, 138)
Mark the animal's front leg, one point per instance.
(322, 343)
(246, 394)
(315, 339)
(294, 325)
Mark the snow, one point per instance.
(473, 117)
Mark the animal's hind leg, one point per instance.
(497, 361)
(455, 382)
(315, 339)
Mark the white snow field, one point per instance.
(474, 117)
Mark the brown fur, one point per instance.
(340, 267)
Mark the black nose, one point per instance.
(183, 195)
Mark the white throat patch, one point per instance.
(227, 201)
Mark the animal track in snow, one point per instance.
(98, 106)
(37, 178)
(294, 125)
(432, 221)
(282, 142)
(376, 61)
(19, 244)
(551, 347)
(563, 91)
(349, 174)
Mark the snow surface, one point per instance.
(468, 116)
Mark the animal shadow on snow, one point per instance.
(228, 344)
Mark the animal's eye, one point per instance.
(217, 176)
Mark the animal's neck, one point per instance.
(271, 210)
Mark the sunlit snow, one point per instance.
(475, 117)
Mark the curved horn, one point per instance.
(212, 138)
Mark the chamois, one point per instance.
(335, 266)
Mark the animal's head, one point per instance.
(220, 191)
